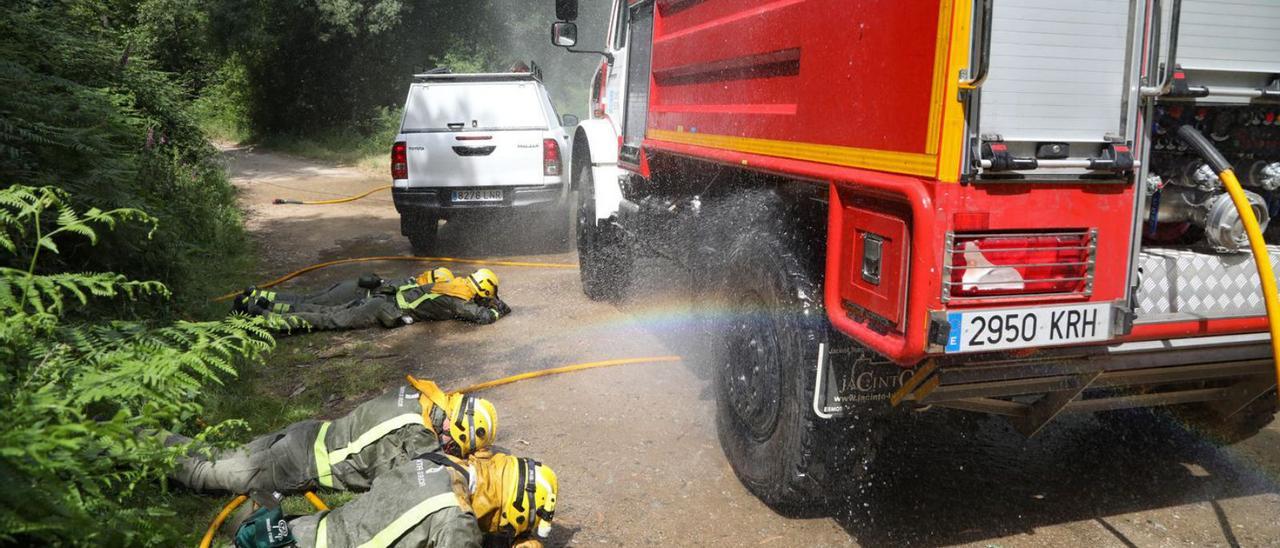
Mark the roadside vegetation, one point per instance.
(326, 80)
(118, 224)
(88, 397)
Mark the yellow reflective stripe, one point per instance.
(374, 434)
(881, 160)
(407, 520)
(322, 457)
(405, 304)
(322, 533)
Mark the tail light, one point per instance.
(981, 266)
(399, 161)
(550, 158)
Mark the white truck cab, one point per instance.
(472, 145)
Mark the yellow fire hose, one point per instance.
(333, 201)
(207, 540)
(319, 266)
(1261, 257)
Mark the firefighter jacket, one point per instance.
(347, 453)
(445, 301)
(377, 436)
(420, 503)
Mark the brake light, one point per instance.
(993, 265)
(550, 157)
(399, 161)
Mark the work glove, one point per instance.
(494, 303)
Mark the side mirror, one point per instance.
(567, 10)
(564, 34)
(569, 120)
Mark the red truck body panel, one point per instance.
(861, 95)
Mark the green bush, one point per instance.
(84, 401)
(83, 108)
(366, 143)
(222, 109)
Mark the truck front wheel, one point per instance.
(604, 255)
(765, 336)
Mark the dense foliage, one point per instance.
(312, 66)
(105, 108)
(84, 401)
(84, 107)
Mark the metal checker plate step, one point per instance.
(1181, 282)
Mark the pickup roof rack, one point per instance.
(443, 74)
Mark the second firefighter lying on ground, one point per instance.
(473, 298)
(347, 453)
(488, 499)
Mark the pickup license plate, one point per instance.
(984, 330)
(477, 196)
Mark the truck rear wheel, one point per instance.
(765, 332)
(1245, 424)
(604, 258)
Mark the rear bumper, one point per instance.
(437, 202)
(1227, 372)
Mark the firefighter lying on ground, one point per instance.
(473, 298)
(337, 294)
(348, 453)
(432, 501)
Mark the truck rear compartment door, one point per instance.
(1058, 82)
(1240, 36)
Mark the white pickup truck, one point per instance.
(474, 145)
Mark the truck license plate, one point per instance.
(477, 196)
(1026, 327)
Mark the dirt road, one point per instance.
(636, 449)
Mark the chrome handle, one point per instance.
(1166, 78)
(980, 61)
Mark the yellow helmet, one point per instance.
(485, 282)
(437, 274)
(529, 497)
(473, 422)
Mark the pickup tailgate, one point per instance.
(474, 134)
(467, 159)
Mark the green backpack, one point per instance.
(265, 528)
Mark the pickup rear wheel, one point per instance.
(421, 231)
(765, 335)
(604, 255)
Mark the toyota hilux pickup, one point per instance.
(477, 145)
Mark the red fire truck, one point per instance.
(981, 205)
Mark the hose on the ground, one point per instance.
(321, 506)
(1257, 245)
(565, 369)
(319, 266)
(207, 540)
(333, 201)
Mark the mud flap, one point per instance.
(849, 379)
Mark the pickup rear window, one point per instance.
(461, 107)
